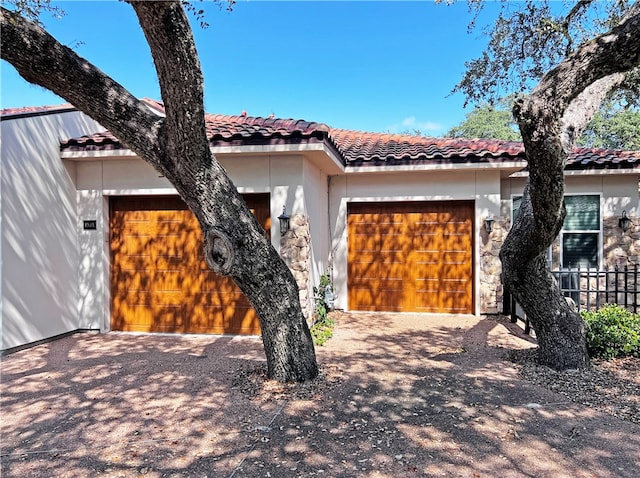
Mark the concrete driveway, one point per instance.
(399, 395)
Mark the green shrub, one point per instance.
(322, 331)
(612, 332)
(322, 328)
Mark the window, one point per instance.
(580, 237)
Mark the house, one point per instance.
(93, 238)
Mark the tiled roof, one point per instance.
(222, 129)
(7, 113)
(243, 127)
(358, 148)
(599, 158)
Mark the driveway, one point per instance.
(399, 395)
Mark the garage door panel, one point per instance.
(234, 298)
(372, 269)
(141, 318)
(160, 281)
(218, 319)
(428, 243)
(133, 280)
(389, 299)
(140, 245)
(169, 318)
(244, 321)
(143, 298)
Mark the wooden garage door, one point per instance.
(160, 281)
(411, 257)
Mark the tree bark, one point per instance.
(178, 147)
(550, 119)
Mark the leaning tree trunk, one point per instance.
(550, 119)
(178, 147)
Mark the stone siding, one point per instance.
(490, 266)
(295, 250)
(618, 249)
(621, 248)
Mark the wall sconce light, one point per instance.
(284, 221)
(488, 224)
(624, 222)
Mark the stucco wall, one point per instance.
(289, 179)
(39, 280)
(619, 192)
(483, 187)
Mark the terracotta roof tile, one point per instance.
(34, 110)
(226, 128)
(600, 158)
(358, 147)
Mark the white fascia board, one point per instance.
(437, 167)
(140, 192)
(319, 147)
(218, 150)
(103, 154)
(586, 172)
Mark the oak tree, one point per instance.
(177, 146)
(579, 59)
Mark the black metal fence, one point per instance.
(590, 289)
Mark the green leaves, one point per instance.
(489, 122)
(613, 128)
(527, 39)
(612, 332)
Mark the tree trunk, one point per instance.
(178, 147)
(550, 119)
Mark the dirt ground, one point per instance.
(398, 396)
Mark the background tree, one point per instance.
(488, 121)
(613, 127)
(177, 146)
(587, 52)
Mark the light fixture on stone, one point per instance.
(488, 224)
(624, 222)
(284, 221)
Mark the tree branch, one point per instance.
(582, 109)
(567, 22)
(614, 52)
(168, 33)
(41, 59)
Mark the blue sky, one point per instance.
(372, 66)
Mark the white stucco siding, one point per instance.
(39, 280)
(283, 176)
(483, 187)
(316, 198)
(619, 191)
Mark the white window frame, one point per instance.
(600, 247)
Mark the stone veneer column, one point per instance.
(295, 250)
(621, 247)
(490, 267)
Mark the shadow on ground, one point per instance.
(403, 395)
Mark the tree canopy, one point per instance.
(612, 127)
(529, 38)
(488, 121)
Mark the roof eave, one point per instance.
(588, 172)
